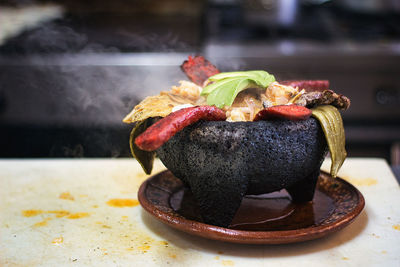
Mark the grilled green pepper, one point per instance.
(332, 125)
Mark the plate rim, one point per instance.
(249, 237)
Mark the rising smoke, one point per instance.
(76, 82)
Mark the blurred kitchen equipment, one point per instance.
(15, 20)
(280, 13)
(65, 85)
(370, 6)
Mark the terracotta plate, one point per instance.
(262, 219)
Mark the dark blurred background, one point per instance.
(70, 70)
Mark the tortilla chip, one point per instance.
(151, 106)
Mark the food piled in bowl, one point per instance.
(228, 134)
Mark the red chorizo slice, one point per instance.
(308, 85)
(198, 69)
(161, 131)
(289, 112)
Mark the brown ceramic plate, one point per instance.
(265, 219)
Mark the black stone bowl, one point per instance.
(222, 161)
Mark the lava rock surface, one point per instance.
(222, 161)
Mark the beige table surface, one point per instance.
(58, 213)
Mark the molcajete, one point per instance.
(222, 161)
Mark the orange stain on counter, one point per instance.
(78, 215)
(228, 263)
(59, 213)
(57, 240)
(67, 196)
(31, 213)
(164, 243)
(122, 202)
(144, 248)
(42, 223)
(396, 227)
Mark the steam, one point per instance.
(167, 42)
(91, 85)
(96, 85)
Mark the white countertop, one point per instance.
(55, 213)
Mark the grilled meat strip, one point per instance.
(308, 85)
(198, 69)
(161, 131)
(326, 97)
